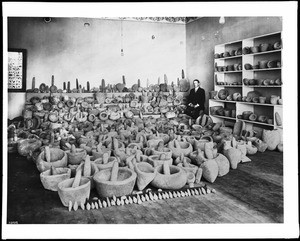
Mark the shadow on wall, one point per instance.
(203, 34)
(16, 104)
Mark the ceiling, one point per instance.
(182, 20)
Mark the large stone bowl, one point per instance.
(185, 148)
(97, 154)
(145, 174)
(155, 160)
(94, 170)
(122, 186)
(58, 158)
(50, 182)
(77, 157)
(176, 180)
(101, 166)
(79, 194)
(166, 151)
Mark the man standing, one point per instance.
(195, 101)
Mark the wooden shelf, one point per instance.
(258, 123)
(265, 52)
(228, 77)
(224, 117)
(263, 86)
(252, 103)
(228, 72)
(228, 101)
(256, 70)
(237, 86)
(231, 57)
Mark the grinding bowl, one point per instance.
(77, 157)
(58, 158)
(79, 194)
(122, 186)
(176, 180)
(155, 160)
(50, 182)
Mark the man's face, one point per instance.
(196, 84)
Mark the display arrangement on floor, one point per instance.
(133, 144)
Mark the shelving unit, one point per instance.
(233, 80)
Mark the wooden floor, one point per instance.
(253, 193)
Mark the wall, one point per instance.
(68, 50)
(203, 34)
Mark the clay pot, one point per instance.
(246, 50)
(50, 182)
(233, 113)
(262, 99)
(265, 47)
(259, 81)
(262, 118)
(246, 114)
(232, 52)
(145, 174)
(77, 157)
(230, 67)
(78, 194)
(226, 54)
(238, 51)
(213, 109)
(235, 67)
(279, 101)
(212, 94)
(270, 121)
(277, 45)
(272, 64)
(255, 49)
(252, 81)
(246, 81)
(176, 180)
(253, 117)
(122, 186)
(217, 56)
(248, 66)
(227, 113)
(263, 64)
(255, 99)
(274, 99)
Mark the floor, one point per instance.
(253, 193)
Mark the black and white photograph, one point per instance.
(130, 120)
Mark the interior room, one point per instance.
(145, 120)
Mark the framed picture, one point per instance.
(17, 70)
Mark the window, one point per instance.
(17, 70)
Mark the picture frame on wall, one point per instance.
(17, 64)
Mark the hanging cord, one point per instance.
(122, 51)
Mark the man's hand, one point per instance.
(190, 104)
(195, 106)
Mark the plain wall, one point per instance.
(68, 50)
(203, 34)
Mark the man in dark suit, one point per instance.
(195, 101)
